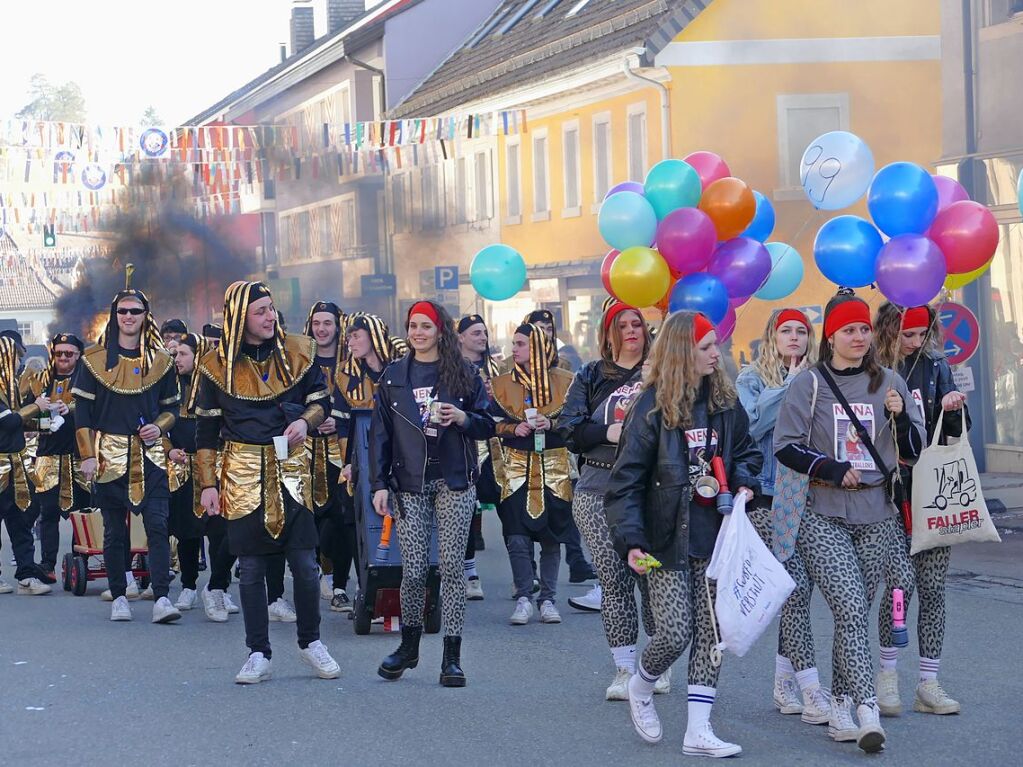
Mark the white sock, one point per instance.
(470, 568)
(808, 678)
(889, 658)
(625, 657)
(701, 700)
(129, 577)
(642, 684)
(783, 666)
(330, 579)
(929, 668)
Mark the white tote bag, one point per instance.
(752, 584)
(948, 502)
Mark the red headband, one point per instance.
(614, 310)
(846, 313)
(791, 315)
(701, 327)
(426, 309)
(916, 317)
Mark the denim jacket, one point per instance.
(762, 404)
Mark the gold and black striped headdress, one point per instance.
(237, 298)
(9, 372)
(199, 346)
(542, 357)
(383, 346)
(150, 341)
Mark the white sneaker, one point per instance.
(619, 687)
(816, 705)
(549, 613)
(841, 726)
(931, 699)
(256, 669)
(33, 587)
(214, 605)
(120, 610)
(316, 655)
(148, 593)
(186, 600)
(164, 611)
(870, 737)
(232, 608)
(588, 602)
(474, 590)
(326, 587)
(282, 611)
(523, 612)
(131, 593)
(663, 684)
(644, 717)
(704, 742)
(888, 700)
(6, 588)
(786, 694)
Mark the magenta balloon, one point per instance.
(910, 270)
(686, 239)
(735, 303)
(949, 191)
(708, 166)
(742, 264)
(726, 327)
(625, 186)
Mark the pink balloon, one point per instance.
(686, 238)
(967, 234)
(709, 166)
(949, 191)
(605, 271)
(726, 327)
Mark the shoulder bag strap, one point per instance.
(863, 433)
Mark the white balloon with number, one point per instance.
(836, 170)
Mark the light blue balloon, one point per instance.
(846, 251)
(762, 225)
(903, 199)
(498, 272)
(786, 272)
(626, 220)
(836, 170)
(672, 184)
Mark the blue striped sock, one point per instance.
(470, 568)
(701, 700)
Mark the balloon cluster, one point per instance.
(926, 232)
(692, 237)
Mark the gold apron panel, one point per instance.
(252, 475)
(549, 469)
(13, 469)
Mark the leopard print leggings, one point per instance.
(795, 633)
(846, 563)
(682, 612)
(929, 570)
(617, 581)
(414, 515)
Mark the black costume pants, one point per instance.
(117, 545)
(19, 530)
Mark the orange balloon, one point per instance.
(730, 204)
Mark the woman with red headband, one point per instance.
(686, 419)
(591, 425)
(787, 347)
(909, 341)
(847, 531)
(430, 410)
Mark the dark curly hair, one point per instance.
(453, 372)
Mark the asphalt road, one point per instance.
(75, 688)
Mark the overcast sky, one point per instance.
(180, 56)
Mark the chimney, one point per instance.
(284, 51)
(302, 34)
(341, 13)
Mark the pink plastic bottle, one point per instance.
(900, 637)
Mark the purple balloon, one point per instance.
(949, 191)
(910, 270)
(625, 186)
(742, 264)
(686, 238)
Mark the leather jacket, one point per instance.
(933, 376)
(397, 446)
(648, 497)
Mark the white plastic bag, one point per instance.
(752, 584)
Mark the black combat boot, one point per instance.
(406, 656)
(451, 667)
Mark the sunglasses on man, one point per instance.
(69, 355)
(134, 312)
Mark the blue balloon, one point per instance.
(846, 251)
(700, 292)
(672, 184)
(626, 220)
(786, 272)
(762, 225)
(498, 272)
(903, 199)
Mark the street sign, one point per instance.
(445, 277)
(961, 332)
(378, 285)
(813, 313)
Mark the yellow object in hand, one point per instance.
(649, 562)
